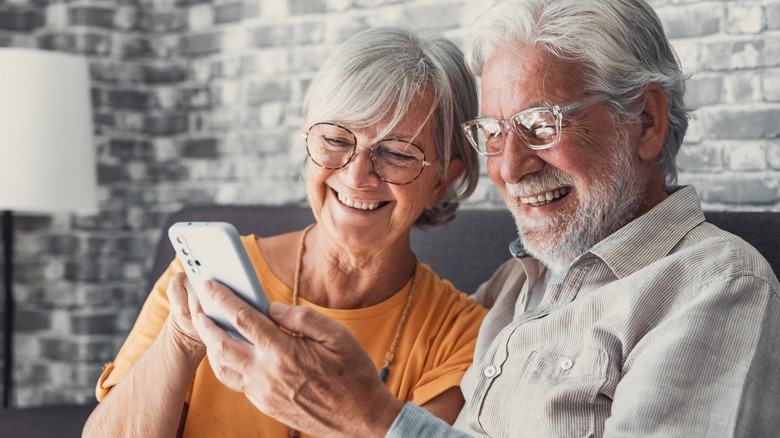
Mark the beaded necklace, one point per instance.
(390, 355)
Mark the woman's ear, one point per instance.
(454, 171)
(655, 123)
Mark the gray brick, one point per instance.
(700, 158)
(691, 20)
(438, 17)
(745, 19)
(130, 149)
(267, 91)
(200, 148)
(741, 54)
(773, 16)
(230, 12)
(165, 124)
(159, 21)
(770, 86)
(742, 190)
(704, 91)
(20, 20)
(200, 44)
(91, 16)
(98, 44)
(302, 7)
(751, 122)
(773, 155)
(31, 320)
(63, 42)
(272, 35)
(746, 156)
(90, 324)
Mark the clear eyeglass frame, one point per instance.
(382, 165)
(538, 127)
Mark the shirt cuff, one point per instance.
(416, 421)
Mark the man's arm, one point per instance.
(709, 370)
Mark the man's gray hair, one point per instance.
(379, 74)
(621, 43)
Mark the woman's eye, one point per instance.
(337, 142)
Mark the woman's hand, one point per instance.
(182, 298)
(320, 381)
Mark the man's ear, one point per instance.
(655, 123)
(454, 171)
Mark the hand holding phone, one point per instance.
(213, 251)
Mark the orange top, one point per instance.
(433, 353)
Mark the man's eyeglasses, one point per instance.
(395, 161)
(538, 127)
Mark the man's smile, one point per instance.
(546, 197)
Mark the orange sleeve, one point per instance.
(145, 330)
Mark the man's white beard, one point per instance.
(612, 201)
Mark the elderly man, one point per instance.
(623, 312)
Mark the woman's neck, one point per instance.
(340, 277)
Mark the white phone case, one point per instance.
(213, 251)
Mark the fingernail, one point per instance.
(277, 310)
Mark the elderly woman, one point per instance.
(381, 131)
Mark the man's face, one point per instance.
(566, 198)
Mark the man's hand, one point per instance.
(319, 380)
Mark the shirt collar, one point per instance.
(655, 232)
(652, 235)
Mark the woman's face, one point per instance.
(357, 208)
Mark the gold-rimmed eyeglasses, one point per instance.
(395, 161)
(538, 127)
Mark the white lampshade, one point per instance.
(47, 154)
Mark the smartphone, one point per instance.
(213, 251)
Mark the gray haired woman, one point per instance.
(381, 128)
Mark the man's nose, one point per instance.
(517, 159)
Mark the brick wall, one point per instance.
(199, 101)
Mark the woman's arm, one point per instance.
(149, 399)
(446, 405)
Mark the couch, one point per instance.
(465, 251)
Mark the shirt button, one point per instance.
(566, 364)
(490, 371)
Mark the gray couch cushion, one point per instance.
(466, 250)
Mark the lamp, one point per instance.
(47, 159)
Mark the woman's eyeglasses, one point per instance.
(395, 161)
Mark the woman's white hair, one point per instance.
(378, 74)
(621, 43)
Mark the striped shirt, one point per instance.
(669, 327)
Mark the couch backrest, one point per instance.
(465, 251)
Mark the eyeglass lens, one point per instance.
(537, 128)
(395, 161)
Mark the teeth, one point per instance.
(357, 204)
(545, 198)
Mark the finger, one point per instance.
(221, 348)
(225, 371)
(192, 300)
(251, 323)
(308, 322)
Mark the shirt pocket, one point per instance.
(553, 394)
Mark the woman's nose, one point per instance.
(359, 172)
